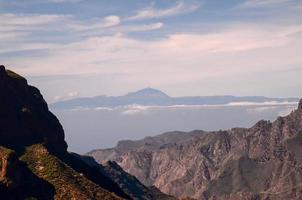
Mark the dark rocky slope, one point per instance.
(25, 118)
(261, 162)
(34, 161)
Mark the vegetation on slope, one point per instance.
(67, 183)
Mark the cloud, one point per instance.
(262, 3)
(135, 109)
(267, 103)
(32, 43)
(79, 109)
(283, 110)
(47, 1)
(139, 28)
(99, 24)
(103, 109)
(23, 32)
(151, 12)
(232, 39)
(69, 95)
(22, 26)
(19, 29)
(252, 107)
(29, 19)
(112, 20)
(215, 54)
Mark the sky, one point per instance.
(72, 48)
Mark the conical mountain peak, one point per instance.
(148, 92)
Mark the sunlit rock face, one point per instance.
(261, 162)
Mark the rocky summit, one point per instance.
(34, 161)
(263, 162)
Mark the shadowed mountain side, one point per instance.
(128, 183)
(261, 162)
(25, 118)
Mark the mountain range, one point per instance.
(154, 97)
(35, 163)
(263, 162)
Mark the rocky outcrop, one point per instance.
(25, 118)
(10, 169)
(261, 162)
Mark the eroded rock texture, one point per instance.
(261, 162)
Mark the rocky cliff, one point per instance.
(25, 118)
(34, 161)
(261, 162)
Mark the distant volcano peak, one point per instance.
(148, 92)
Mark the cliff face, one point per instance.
(262, 162)
(25, 118)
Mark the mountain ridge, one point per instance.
(154, 97)
(261, 162)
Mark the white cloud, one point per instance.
(17, 30)
(139, 28)
(189, 56)
(102, 46)
(106, 22)
(135, 109)
(252, 108)
(267, 103)
(103, 109)
(29, 19)
(151, 12)
(262, 3)
(238, 38)
(69, 95)
(283, 109)
(112, 20)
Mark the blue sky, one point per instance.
(72, 48)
